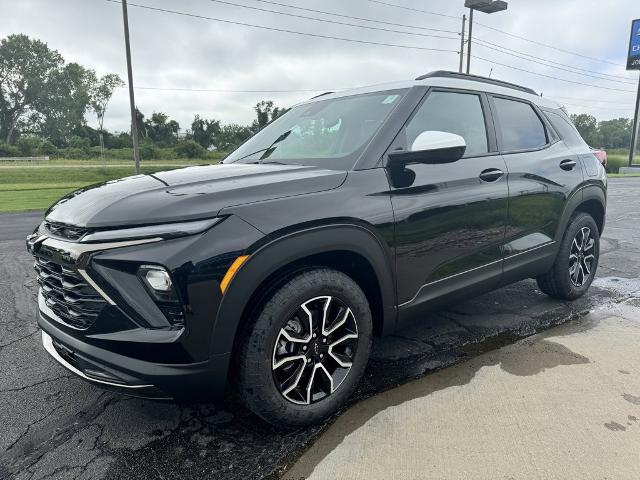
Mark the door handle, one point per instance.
(567, 164)
(491, 174)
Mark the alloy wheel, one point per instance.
(314, 351)
(581, 257)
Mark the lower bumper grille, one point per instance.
(67, 294)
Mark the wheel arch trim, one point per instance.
(588, 192)
(286, 249)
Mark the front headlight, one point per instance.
(164, 230)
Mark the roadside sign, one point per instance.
(633, 59)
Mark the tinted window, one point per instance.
(521, 127)
(565, 129)
(458, 113)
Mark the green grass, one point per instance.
(36, 186)
(16, 201)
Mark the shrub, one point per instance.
(47, 148)
(148, 150)
(7, 150)
(189, 149)
(78, 142)
(28, 146)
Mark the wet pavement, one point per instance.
(57, 426)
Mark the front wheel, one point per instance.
(577, 260)
(306, 349)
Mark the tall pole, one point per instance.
(464, 21)
(469, 41)
(634, 132)
(132, 100)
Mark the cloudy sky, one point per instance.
(173, 52)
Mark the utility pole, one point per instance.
(132, 100)
(469, 41)
(464, 21)
(634, 132)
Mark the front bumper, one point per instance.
(100, 322)
(181, 382)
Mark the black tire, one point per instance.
(258, 382)
(558, 281)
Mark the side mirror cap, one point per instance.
(431, 147)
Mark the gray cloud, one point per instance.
(180, 52)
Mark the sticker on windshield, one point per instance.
(390, 99)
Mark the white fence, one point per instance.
(24, 159)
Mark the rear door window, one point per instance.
(519, 125)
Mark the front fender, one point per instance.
(270, 257)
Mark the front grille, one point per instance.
(67, 232)
(65, 292)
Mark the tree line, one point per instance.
(44, 102)
(607, 134)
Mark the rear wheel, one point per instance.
(577, 260)
(306, 349)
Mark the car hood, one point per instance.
(187, 193)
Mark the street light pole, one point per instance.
(486, 6)
(464, 21)
(132, 100)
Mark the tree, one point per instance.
(232, 135)
(587, 125)
(101, 93)
(204, 132)
(162, 130)
(63, 111)
(266, 112)
(28, 74)
(614, 133)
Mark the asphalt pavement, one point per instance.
(57, 426)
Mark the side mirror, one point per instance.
(431, 147)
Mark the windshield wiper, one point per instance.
(269, 150)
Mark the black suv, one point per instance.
(345, 218)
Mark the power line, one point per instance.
(552, 77)
(212, 90)
(283, 30)
(351, 17)
(596, 108)
(335, 22)
(547, 45)
(551, 61)
(591, 100)
(413, 9)
(499, 31)
(544, 63)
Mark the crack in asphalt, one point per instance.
(30, 454)
(41, 382)
(4, 345)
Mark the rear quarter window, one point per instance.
(565, 129)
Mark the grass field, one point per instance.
(36, 185)
(29, 186)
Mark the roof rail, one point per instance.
(321, 95)
(475, 78)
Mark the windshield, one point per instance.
(328, 133)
